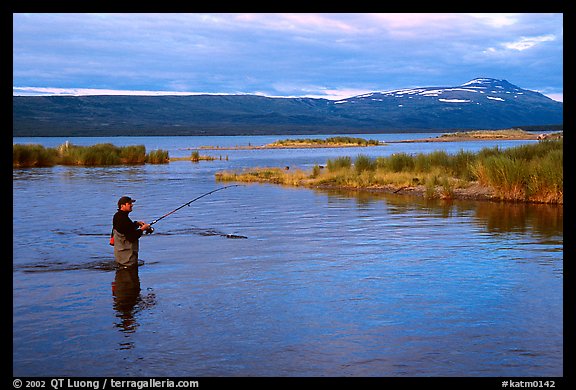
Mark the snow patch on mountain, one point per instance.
(454, 100)
(479, 81)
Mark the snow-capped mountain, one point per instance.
(474, 91)
(481, 103)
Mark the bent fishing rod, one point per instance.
(151, 230)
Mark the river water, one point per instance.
(264, 280)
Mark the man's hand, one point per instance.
(145, 226)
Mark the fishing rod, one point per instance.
(151, 230)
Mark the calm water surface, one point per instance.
(324, 284)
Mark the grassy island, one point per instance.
(332, 142)
(532, 173)
(304, 143)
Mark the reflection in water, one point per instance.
(128, 301)
(544, 220)
(496, 217)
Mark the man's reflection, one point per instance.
(127, 299)
(126, 291)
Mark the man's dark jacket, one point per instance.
(126, 235)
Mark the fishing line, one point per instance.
(151, 230)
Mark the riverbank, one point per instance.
(352, 142)
(528, 173)
(483, 135)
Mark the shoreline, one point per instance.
(272, 146)
(466, 139)
(465, 136)
(474, 192)
(488, 135)
(527, 173)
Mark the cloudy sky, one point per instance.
(332, 55)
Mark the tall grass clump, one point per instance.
(102, 154)
(339, 163)
(458, 165)
(461, 165)
(99, 154)
(195, 156)
(528, 172)
(398, 162)
(265, 175)
(547, 181)
(158, 156)
(135, 154)
(33, 155)
(69, 154)
(504, 173)
(363, 163)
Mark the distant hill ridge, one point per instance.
(481, 103)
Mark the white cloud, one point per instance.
(497, 20)
(321, 93)
(43, 91)
(525, 43)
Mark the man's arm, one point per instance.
(124, 225)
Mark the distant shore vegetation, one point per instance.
(331, 141)
(35, 155)
(482, 135)
(492, 134)
(195, 157)
(304, 143)
(532, 172)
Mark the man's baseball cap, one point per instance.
(125, 199)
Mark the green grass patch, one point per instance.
(33, 155)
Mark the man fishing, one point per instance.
(126, 233)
